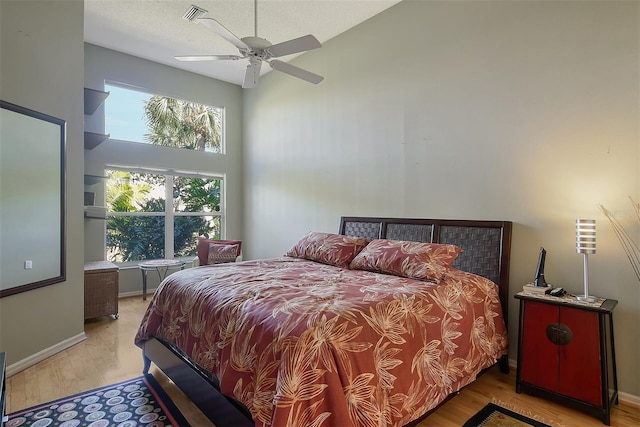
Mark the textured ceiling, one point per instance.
(155, 30)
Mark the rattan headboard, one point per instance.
(486, 244)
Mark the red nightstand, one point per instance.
(566, 352)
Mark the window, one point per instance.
(153, 215)
(136, 116)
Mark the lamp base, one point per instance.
(586, 298)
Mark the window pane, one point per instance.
(135, 192)
(136, 116)
(187, 229)
(196, 194)
(124, 114)
(135, 238)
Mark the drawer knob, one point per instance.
(559, 334)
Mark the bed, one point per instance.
(354, 328)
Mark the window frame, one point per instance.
(150, 168)
(131, 87)
(169, 214)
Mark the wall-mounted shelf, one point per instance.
(93, 179)
(93, 99)
(92, 139)
(95, 212)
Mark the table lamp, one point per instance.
(586, 244)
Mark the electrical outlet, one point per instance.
(28, 265)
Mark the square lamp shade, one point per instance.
(586, 244)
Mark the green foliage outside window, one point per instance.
(131, 238)
(176, 123)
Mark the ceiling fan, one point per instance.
(257, 50)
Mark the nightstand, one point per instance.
(566, 352)
(101, 288)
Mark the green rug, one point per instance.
(493, 415)
(133, 403)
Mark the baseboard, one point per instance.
(44, 354)
(150, 292)
(627, 398)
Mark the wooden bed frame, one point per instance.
(486, 245)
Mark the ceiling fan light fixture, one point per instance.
(193, 12)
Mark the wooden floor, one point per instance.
(109, 355)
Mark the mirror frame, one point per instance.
(60, 276)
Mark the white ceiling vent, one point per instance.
(194, 12)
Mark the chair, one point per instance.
(218, 251)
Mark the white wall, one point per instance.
(42, 68)
(522, 111)
(107, 65)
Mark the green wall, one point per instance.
(42, 68)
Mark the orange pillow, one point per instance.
(327, 248)
(415, 260)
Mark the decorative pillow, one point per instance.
(327, 248)
(415, 260)
(203, 248)
(220, 253)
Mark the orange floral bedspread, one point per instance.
(306, 344)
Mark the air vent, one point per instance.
(194, 12)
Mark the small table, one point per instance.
(566, 352)
(162, 266)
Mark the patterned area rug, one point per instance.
(133, 403)
(493, 415)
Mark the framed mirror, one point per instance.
(32, 199)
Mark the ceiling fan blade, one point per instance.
(296, 71)
(218, 28)
(300, 44)
(252, 74)
(188, 58)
